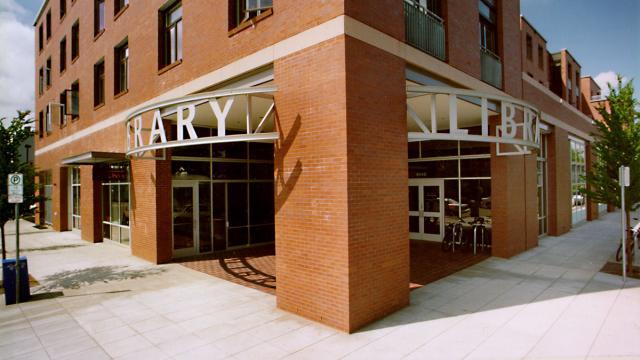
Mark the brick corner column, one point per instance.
(559, 182)
(342, 241)
(90, 201)
(150, 204)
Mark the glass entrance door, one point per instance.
(185, 218)
(426, 204)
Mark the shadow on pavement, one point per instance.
(74, 279)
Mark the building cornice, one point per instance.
(42, 7)
(554, 97)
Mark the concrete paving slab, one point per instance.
(119, 306)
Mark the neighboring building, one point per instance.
(338, 131)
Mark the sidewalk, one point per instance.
(549, 302)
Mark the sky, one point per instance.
(603, 36)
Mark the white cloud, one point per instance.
(17, 74)
(608, 77)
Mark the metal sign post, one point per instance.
(15, 185)
(625, 180)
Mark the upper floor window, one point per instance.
(48, 126)
(171, 46)
(40, 124)
(98, 83)
(63, 8)
(529, 47)
(247, 9)
(48, 24)
(74, 94)
(40, 81)
(119, 5)
(98, 17)
(47, 72)
(63, 54)
(540, 57)
(488, 25)
(40, 37)
(121, 68)
(63, 105)
(75, 40)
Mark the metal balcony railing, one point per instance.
(491, 67)
(424, 29)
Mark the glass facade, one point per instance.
(578, 173)
(465, 168)
(223, 195)
(115, 202)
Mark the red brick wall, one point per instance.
(150, 203)
(341, 224)
(509, 45)
(531, 66)
(90, 202)
(559, 186)
(384, 15)
(311, 197)
(463, 46)
(377, 183)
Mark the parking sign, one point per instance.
(15, 186)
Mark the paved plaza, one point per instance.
(549, 302)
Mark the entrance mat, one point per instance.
(429, 263)
(253, 267)
(614, 268)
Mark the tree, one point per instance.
(617, 143)
(12, 138)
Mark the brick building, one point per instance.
(185, 128)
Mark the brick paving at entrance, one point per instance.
(256, 267)
(429, 263)
(252, 267)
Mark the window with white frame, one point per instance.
(541, 180)
(75, 198)
(578, 182)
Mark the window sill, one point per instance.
(96, 107)
(117, 15)
(62, 72)
(250, 23)
(63, 17)
(121, 93)
(169, 67)
(75, 118)
(97, 36)
(74, 59)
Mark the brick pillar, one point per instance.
(60, 198)
(90, 202)
(150, 203)
(559, 182)
(341, 184)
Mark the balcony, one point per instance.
(491, 67)
(424, 29)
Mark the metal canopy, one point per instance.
(239, 115)
(445, 113)
(94, 157)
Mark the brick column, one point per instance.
(90, 202)
(514, 201)
(342, 242)
(150, 202)
(559, 182)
